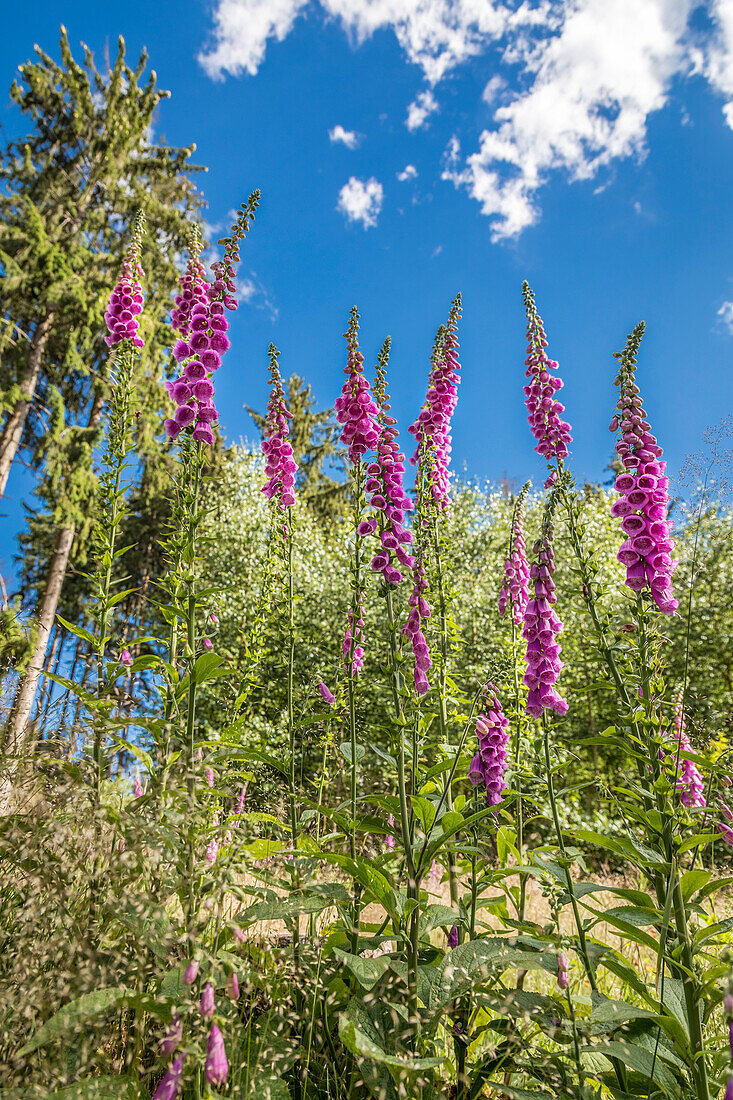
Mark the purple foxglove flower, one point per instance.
(137, 787)
(515, 590)
(126, 658)
(644, 488)
(198, 320)
(212, 850)
(207, 644)
(390, 838)
(419, 612)
(728, 1089)
(432, 429)
(353, 650)
(689, 781)
(453, 937)
(209, 776)
(232, 987)
(563, 971)
(217, 1067)
(191, 972)
(214, 618)
(280, 465)
(549, 429)
(242, 797)
(126, 300)
(386, 488)
(541, 626)
(355, 409)
(326, 695)
(206, 1005)
(173, 1036)
(169, 1087)
(489, 763)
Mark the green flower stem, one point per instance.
(443, 694)
(291, 736)
(196, 458)
(589, 969)
(686, 971)
(358, 480)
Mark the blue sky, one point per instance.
(585, 145)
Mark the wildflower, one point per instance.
(419, 611)
(353, 650)
(690, 783)
(191, 972)
(242, 797)
(173, 1036)
(214, 618)
(541, 625)
(390, 837)
(137, 787)
(489, 763)
(355, 408)
(432, 429)
(212, 850)
(385, 484)
(126, 658)
(169, 1087)
(232, 987)
(199, 319)
(216, 1068)
(549, 429)
(515, 590)
(126, 300)
(207, 643)
(453, 937)
(238, 934)
(326, 695)
(206, 1004)
(209, 776)
(563, 971)
(280, 465)
(644, 488)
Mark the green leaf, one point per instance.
(692, 881)
(358, 1043)
(76, 1013)
(366, 971)
(345, 750)
(437, 916)
(642, 1061)
(78, 631)
(269, 1088)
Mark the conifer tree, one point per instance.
(70, 191)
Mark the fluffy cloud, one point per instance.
(420, 110)
(594, 87)
(409, 172)
(361, 201)
(581, 78)
(437, 35)
(726, 316)
(349, 138)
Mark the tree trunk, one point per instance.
(52, 665)
(16, 731)
(13, 428)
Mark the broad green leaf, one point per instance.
(366, 971)
(359, 1044)
(76, 1013)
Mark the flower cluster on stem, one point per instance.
(433, 425)
(489, 764)
(644, 488)
(126, 300)
(547, 426)
(386, 489)
(280, 465)
(355, 407)
(515, 589)
(689, 781)
(201, 323)
(542, 625)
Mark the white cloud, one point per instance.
(726, 316)
(349, 138)
(495, 86)
(584, 76)
(361, 201)
(409, 172)
(424, 105)
(594, 87)
(437, 35)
